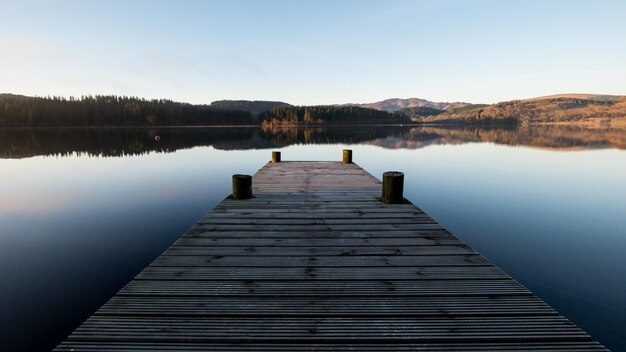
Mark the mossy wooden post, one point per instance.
(275, 157)
(393, 186)
(347, 156)
(242, 186)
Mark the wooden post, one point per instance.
(275, 157)
(242, 186)
(347, 156)
(393, 186)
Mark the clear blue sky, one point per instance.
(313, 52)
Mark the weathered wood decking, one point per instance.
(315, 262)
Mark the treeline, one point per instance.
(254, 106)
(418, 112)
(105, 110)
(328, 114)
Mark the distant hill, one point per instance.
(599, 97)
(395, 104)
(545, 110)
(254, 106)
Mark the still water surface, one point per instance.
(83, 211)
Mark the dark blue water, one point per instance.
(81, 213)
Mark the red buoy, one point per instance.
(157, 138)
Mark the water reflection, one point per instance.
(23, 143)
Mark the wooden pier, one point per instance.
(314, 261)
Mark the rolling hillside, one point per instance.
(395, 104)
(546, 110)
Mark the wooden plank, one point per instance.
(296, 241)
(315, 262)
(326, 227)
(292, 347)
(317, 221)
(344, 307)
(204, 272)
(302, 250)
(432, 234)
(373, 329)
(258, 286)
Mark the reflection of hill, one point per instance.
(21, 143)
(549, 136)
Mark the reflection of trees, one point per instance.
(284, 136)
(19, 143)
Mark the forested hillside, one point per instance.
(329, 114)
(418, 112)
(104, 110)
(557, 110)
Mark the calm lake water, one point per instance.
(83, 211)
